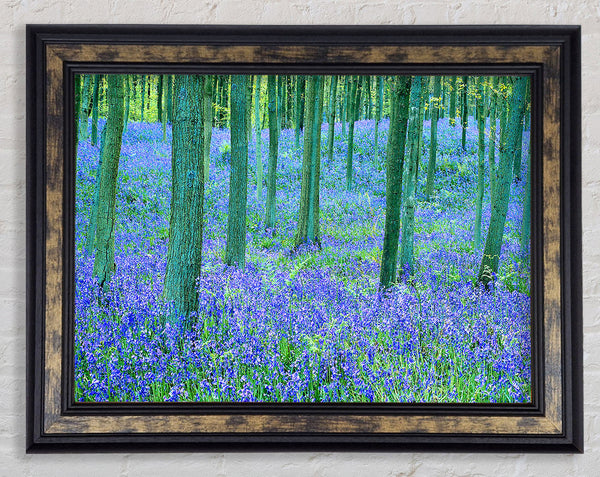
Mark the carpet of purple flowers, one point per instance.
(308, 327)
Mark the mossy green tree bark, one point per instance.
(83, 115)
(143, 98)
(452, 107)
(480, 162)
(378, 114)
(308, 229)
(207, 114)
(235, 250)
(524, 251)
(95, 109)
(258, 131)
(331, 118)
(399, 96)
(352, 112)
(493, 134)
(408, 211)
(299, 108)
(464, 115)
(104, 260)
(184, 255)
(434, 106)
(273, 152)
(508, 149)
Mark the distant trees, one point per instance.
(194, 103)
(184, 255)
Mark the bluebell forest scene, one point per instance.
(302, 238)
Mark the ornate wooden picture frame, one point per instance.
(550, 55)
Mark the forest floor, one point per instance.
(310, 326)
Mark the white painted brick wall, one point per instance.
(14, 14)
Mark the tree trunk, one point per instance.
(207, 115)
(300, 88)
(399, 95)
(464, 116)
(508, 150)
(344, 114)
(308, 220)
(273, 152)
(378, 111)
(452, 112)
(143, 98)
(519, 156)
(235, 251)
(83, 115)
(159, 99)
(170, 99)
(104, 260)
(259, 164)
(95, 109)
(480, 162)
(408, 212)
(331, 119)
(184, 255)
(492, 144)
(352, 107)
(435, 108)
(525, 224)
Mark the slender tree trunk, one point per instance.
(259, 164)
(378, 112)
(465, 112)
(331, 125)
(184, 255)
(170, 99)
(408, 212)
(452, 112)
(273, 152)
(104, 261)
(480, 162)
(400, 93)
(235, 251)
(525, 223)
(344, 114)
(95, 108)
(159, 99)
(352, 106)
(143, 98)
(508, 150)
(493, 134)
(83, 116)
(207, 115)
(308, 220)
(127, 106)
(519, 156)
(300, 88)
(90, 240)
(435, 108)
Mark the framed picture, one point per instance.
(292, 238)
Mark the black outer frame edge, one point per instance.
(38, 442)
(254, 442)
(571, 239)
(35, 233)
(304, 34)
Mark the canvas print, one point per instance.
(302, 238)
